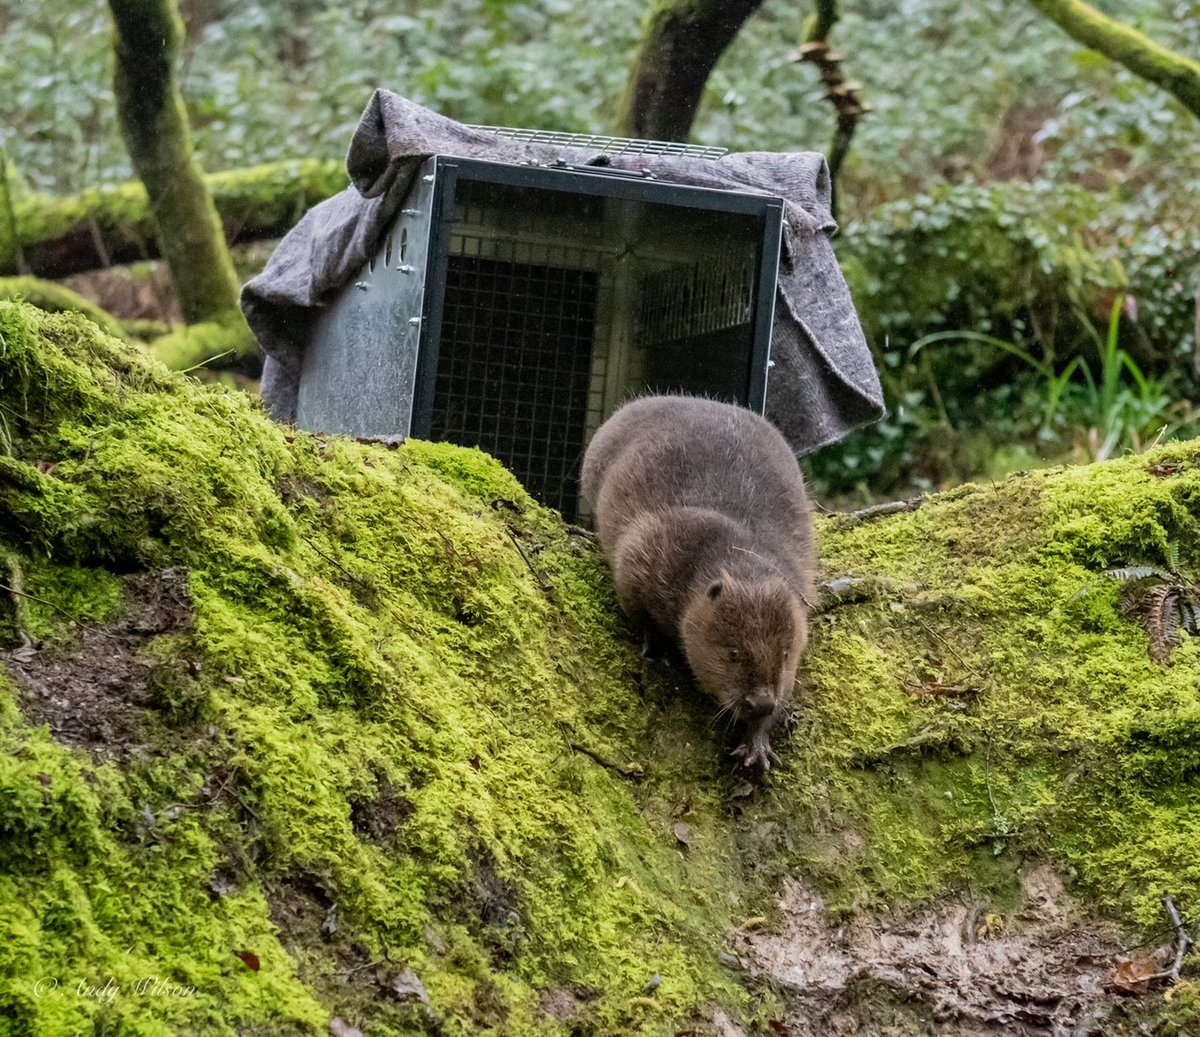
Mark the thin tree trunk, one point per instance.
(154, 124)
(1153, 62)
(681, 45)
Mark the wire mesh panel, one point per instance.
(694, 324)
(514, 368)
(606, 144)
(696, 298)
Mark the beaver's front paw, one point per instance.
(756, 751)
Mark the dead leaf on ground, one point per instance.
(340, 1028)
(1133, 976)
(250, 960)
(406, 986)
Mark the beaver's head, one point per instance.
(743, 640)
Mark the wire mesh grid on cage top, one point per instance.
(605, 144)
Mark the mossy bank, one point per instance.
(297, 728)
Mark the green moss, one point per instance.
(397, 693)
(1010, 687)
(405, 689)
(228, 340)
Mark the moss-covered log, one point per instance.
(1174, 72)
(221, 344)
(292, 732)
(107, 225)
(58, 298)
(680, 46)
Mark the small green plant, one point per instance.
(1121, 405)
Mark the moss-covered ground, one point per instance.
(385, 722)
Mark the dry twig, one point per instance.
(1182, 943)
(895, 507)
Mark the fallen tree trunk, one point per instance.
(292, 732)
(108, 225)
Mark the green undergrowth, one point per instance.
(392, 725)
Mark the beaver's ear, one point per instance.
(714, 590)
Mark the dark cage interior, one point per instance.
(560, 305)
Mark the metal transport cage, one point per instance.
(515, 307)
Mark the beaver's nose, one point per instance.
(759, 703)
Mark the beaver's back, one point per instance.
(661, 452)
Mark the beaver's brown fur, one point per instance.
(701, 510)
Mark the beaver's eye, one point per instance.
(734, 655)
(787, 652)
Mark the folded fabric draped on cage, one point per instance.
(556, 272)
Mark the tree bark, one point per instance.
(154, 124)
(109, 225)
(1153, 62)
(681, 45)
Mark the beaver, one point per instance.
(702, 513)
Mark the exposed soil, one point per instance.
(96, 692)
(950, 968)
(381, 819)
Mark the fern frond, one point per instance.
(1133, 597)
(1161, 617)
(1189, 612)
(1129, 573)
(1171, 554)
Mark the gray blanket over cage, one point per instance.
(823, 384)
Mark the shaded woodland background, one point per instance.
(1019, 213)
(466, 802)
